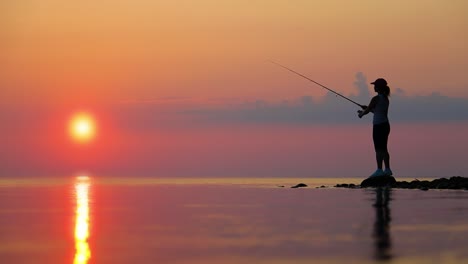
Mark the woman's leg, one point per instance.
(378, 140)
(386, 156)
(386, 160)
(380, 157)
(380, 136)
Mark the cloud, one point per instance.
(434, 107)
(361, 84)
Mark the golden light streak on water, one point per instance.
(83, 253)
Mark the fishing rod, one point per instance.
(323, 86)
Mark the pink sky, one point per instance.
(184, 89)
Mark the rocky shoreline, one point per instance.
(452, 183)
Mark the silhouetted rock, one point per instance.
(378, 181)
(454, 183)
(342, 185)
(299, 185)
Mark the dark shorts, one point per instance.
(380, 135)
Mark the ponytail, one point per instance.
(385, 90)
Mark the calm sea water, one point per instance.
(143, 220)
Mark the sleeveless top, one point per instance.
(381, 110)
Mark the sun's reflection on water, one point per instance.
(83, 253)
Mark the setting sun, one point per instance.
(82, 127)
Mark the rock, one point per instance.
(424, 183)
(455, 183)
(342, 185)
(299, 185)
(414, 184)
(403, 184)
(378, 181)
(281, 186)
(458, 182)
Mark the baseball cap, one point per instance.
(380, 82)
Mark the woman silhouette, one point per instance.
(381, 127)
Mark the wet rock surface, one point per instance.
(453, 183)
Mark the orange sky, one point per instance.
(176, 74)
(125, 50)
